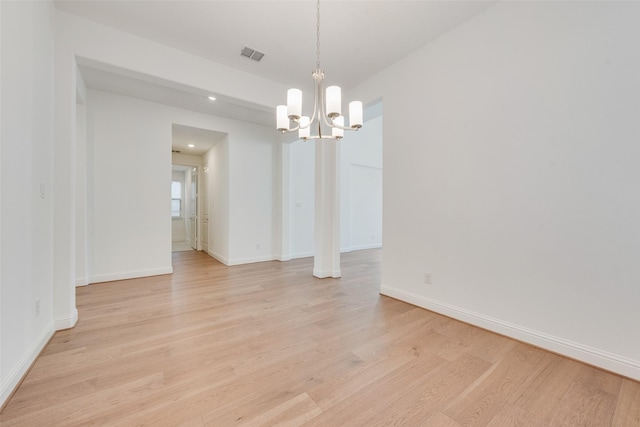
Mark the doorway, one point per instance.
(183, 208)
(192, 206)
(199, 157)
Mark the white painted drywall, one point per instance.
(97, 42)
(130, 193)
(510, 174)
(301, 198)
(26, 227)
(361, 187)
(77, 37)
(360, 222)
(217, 207)
(81, 183)
(64, 184)
(252, 178)
(134, 136)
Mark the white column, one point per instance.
(327, 210)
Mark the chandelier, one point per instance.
(327, 110)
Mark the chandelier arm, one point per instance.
(333, 125)
(293, 129)
(321, 137)
(319, 108)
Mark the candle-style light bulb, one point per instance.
(334, 101)
(294, 103)
(282, 120)
(355, 114)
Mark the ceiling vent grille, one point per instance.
(251, 53)
(176, 151)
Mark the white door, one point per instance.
(193, 208)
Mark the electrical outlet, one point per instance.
(427, 278)
(37, 307)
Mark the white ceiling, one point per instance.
(201, 139)
(358, 39)
(128, 83)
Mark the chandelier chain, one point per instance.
(323, 117)
(318, 35)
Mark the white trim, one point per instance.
(219, 257)
(67, 322)
(130, 275)
(342, 251)
(251, 260)
(12, 380)
(323, 274)
(82, 281)
(301, 255)
(593, 356)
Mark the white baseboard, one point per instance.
(82, 281)
(342, 251)
(66, 322)
(251, 260)
(592, 356)
(301, 255)
(361, 247)
(285, 257)
(130, 275)
(12, 380)
(323, 274)
(219, 257)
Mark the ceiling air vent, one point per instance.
(176, 151)
(251, 53)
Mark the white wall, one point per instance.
(82, 272)
(360, 191)
(134, 136)
(361, 187)
(217, 208)
(97, 42)
(510, 156)
(77, 37)
(26, 227)
(252, 179)
(301, 198)
(130, 192)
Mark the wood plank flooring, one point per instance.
(267, 344)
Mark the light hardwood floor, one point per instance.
(268, 344)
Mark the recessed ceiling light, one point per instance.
(190, 145)
(212, 98)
